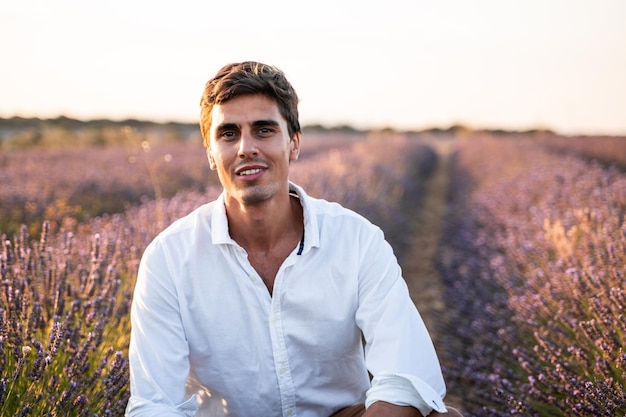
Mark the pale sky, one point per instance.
(557, 64)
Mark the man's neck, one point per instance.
(268, 233)
(263, 226)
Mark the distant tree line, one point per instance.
(20, 132)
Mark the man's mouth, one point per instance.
(249, 172)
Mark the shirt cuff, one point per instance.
(405, 390)
(138, 407)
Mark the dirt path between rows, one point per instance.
(420, 269)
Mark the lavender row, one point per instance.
(534, 262)
(64, 328)
(609, 150)
(80, 183)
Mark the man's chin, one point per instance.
(255, 195)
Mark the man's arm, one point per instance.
(385, 409)
(398, 349)
(158, 350)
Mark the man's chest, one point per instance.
(267, 267)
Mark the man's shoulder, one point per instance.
(335, 212)
(331, 208)
(196, 219)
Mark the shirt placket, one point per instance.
(279, 347)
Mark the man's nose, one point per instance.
(247, 145)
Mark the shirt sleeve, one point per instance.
(399, 352)
(404, 390)
(158, 353)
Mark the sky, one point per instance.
(501, 64)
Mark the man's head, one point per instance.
(249, 78)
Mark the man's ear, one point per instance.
(212, 163)
(295, 147)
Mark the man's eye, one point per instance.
(229, 134)
(264, 131)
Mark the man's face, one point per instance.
(250, 149)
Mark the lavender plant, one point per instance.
(536, 260)
(58, 306)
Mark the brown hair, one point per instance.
(249, 77)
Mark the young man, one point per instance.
(267, 302)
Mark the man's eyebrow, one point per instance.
(268, 122)
(227, 126)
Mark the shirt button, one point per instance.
(289, 411)
(251, 277)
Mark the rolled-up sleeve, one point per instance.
(399, 352)
(159, 352)
(405, 390)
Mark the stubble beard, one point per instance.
(256, 194)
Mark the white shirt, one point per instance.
(204, 323)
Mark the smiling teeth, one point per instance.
(250, 171)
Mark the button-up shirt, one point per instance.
(208, 335)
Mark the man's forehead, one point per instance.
(245, 110)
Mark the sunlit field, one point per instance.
(532, 260)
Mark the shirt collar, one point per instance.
(219, 222)
(311, 229)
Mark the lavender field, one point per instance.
(532, 260)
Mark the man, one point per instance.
(267, 301)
